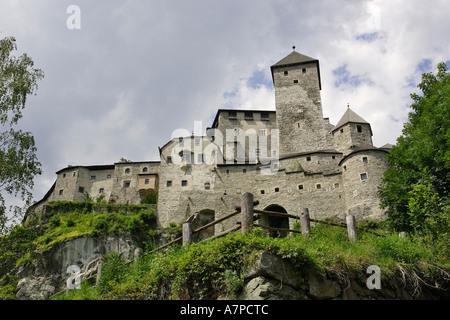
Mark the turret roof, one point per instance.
(349, 116)
(294, 58)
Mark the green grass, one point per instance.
(215, 268)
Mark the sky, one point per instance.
(121, 76)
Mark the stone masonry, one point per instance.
(289, 158)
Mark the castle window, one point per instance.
(147, 181)
(318, 186)
(244, 170)
(74, 174)
(248, 115)
(277, 189)
(127, 170)
(93, 177)
(207, 186)
(236, 132)
(363, 176)
(262, 191)
(336, 185)
(81, 190)
(228, 171)
(345, 168)
(264, 116)
(197, 142)
(365, 160)
(186, 157)
(169, 184)
(308, 158)
(108, 176)
(126, 184)
(64, 175)
(232, 115)
(184, 183)
(262, 132)
(61, 192)
(286, 73)
(333, 157)
(300, 187)
(304, 70)
(342, 130)
(145, 169)
(359, 128)
(101, 190)
(169, 159)
(295, 81)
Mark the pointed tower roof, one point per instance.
(293, 59)
(349, 116)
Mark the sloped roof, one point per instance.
(349, 116)
(292, 59)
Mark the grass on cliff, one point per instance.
(215, 268)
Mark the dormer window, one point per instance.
(248, 115)
(232, 115)
(359, 128)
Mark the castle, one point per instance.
(289, 158)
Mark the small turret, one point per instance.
(352, 132)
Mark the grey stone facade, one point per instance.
(289, 158)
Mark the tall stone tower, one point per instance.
(301, 125)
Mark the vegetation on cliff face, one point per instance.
(215, 268)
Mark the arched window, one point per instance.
(145, 169)
(127, 170)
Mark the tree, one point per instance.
(415, 189)
(18, 161)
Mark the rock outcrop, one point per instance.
(52, 270)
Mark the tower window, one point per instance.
(286, 73)
(61, 192)
(101, 190)
(248, 115)
(93, 177)
(365, 160)
(232, 115)
(300, 187)
(295, 81)
(244, 170)
(318, 186)
(207, 186)
(359, 128)
(169, 183)
(308, 158)
(342, 130)
(146, 181)
(127, 170)
(363, 176)
(303, 70)
(262, 191)
(184, 183)
(145, 169)
(126, 184)
(264, 116)
(169, 159)
(277, 189)
(81, 190)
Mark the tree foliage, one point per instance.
(415, 189)
(18, 161)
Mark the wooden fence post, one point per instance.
(351, 227)
(304, 221)
(187, 233)
(246, 212)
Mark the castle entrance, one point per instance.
(275, 222)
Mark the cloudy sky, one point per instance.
(137, 70)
